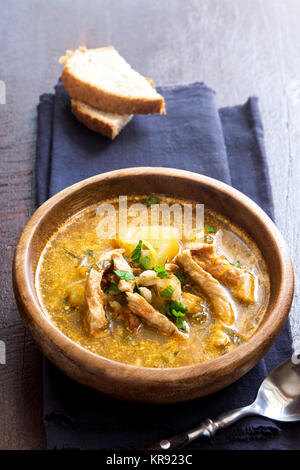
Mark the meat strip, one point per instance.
(140, 307)
(209, 285)
(132, 321)
(95, 318)
(238, 280)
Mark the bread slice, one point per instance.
(104, 123)
(104, 80)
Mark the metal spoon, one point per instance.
(278, 398)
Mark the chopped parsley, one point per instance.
(145, 262)
(113, 288)
(137, 252)
(89, 252)
(151, 200)
(174, 305)
(180, 324)
(65, 301)
(237, 263)
(127, 337)
(165, 359)
(136, 256)
(167, 292)
(234, 336)
(124, 275)
(180, 276)
(136, 288)
(177, 314)
(209, 229)
(175, 310)
(176, 352)
(161, 271)
(72, 254)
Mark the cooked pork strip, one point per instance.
(132, 321)
(171, 267)
(104, 260)
(140, 307)
(121, 264)
(210, 286)
(238, 280)
(95, 318)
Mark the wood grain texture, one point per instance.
(238, 47)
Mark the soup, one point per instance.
(159, 298)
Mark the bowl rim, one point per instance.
(32, 311)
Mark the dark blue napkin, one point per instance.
(225, 144)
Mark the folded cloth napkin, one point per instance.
(225, 144)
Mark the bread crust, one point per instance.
(107, 101)
(93, 123)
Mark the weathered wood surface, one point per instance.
(238, 47)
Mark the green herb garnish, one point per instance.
(89, 252)
(151, 200)
(177, 314)
(124, 275)
(176, 352)
(180, 324)
(72, 254)
(65, 301)
(180, 276)
(174, 305)
(127, 337)
(137, 252)
(165, 359)
(237, 263)
(113, 288)
(167, 292)
(145, 262)
(161, 271)
(175, 310)
(209, 229)
(136, 288)
(234, 336)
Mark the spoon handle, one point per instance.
(207, 428)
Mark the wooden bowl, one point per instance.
(149, 384)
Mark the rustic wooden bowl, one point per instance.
(138, 383)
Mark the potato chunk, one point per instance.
(75, 294)
(160, 243)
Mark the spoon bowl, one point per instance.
(278, 397)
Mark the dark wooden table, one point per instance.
(238, 47)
